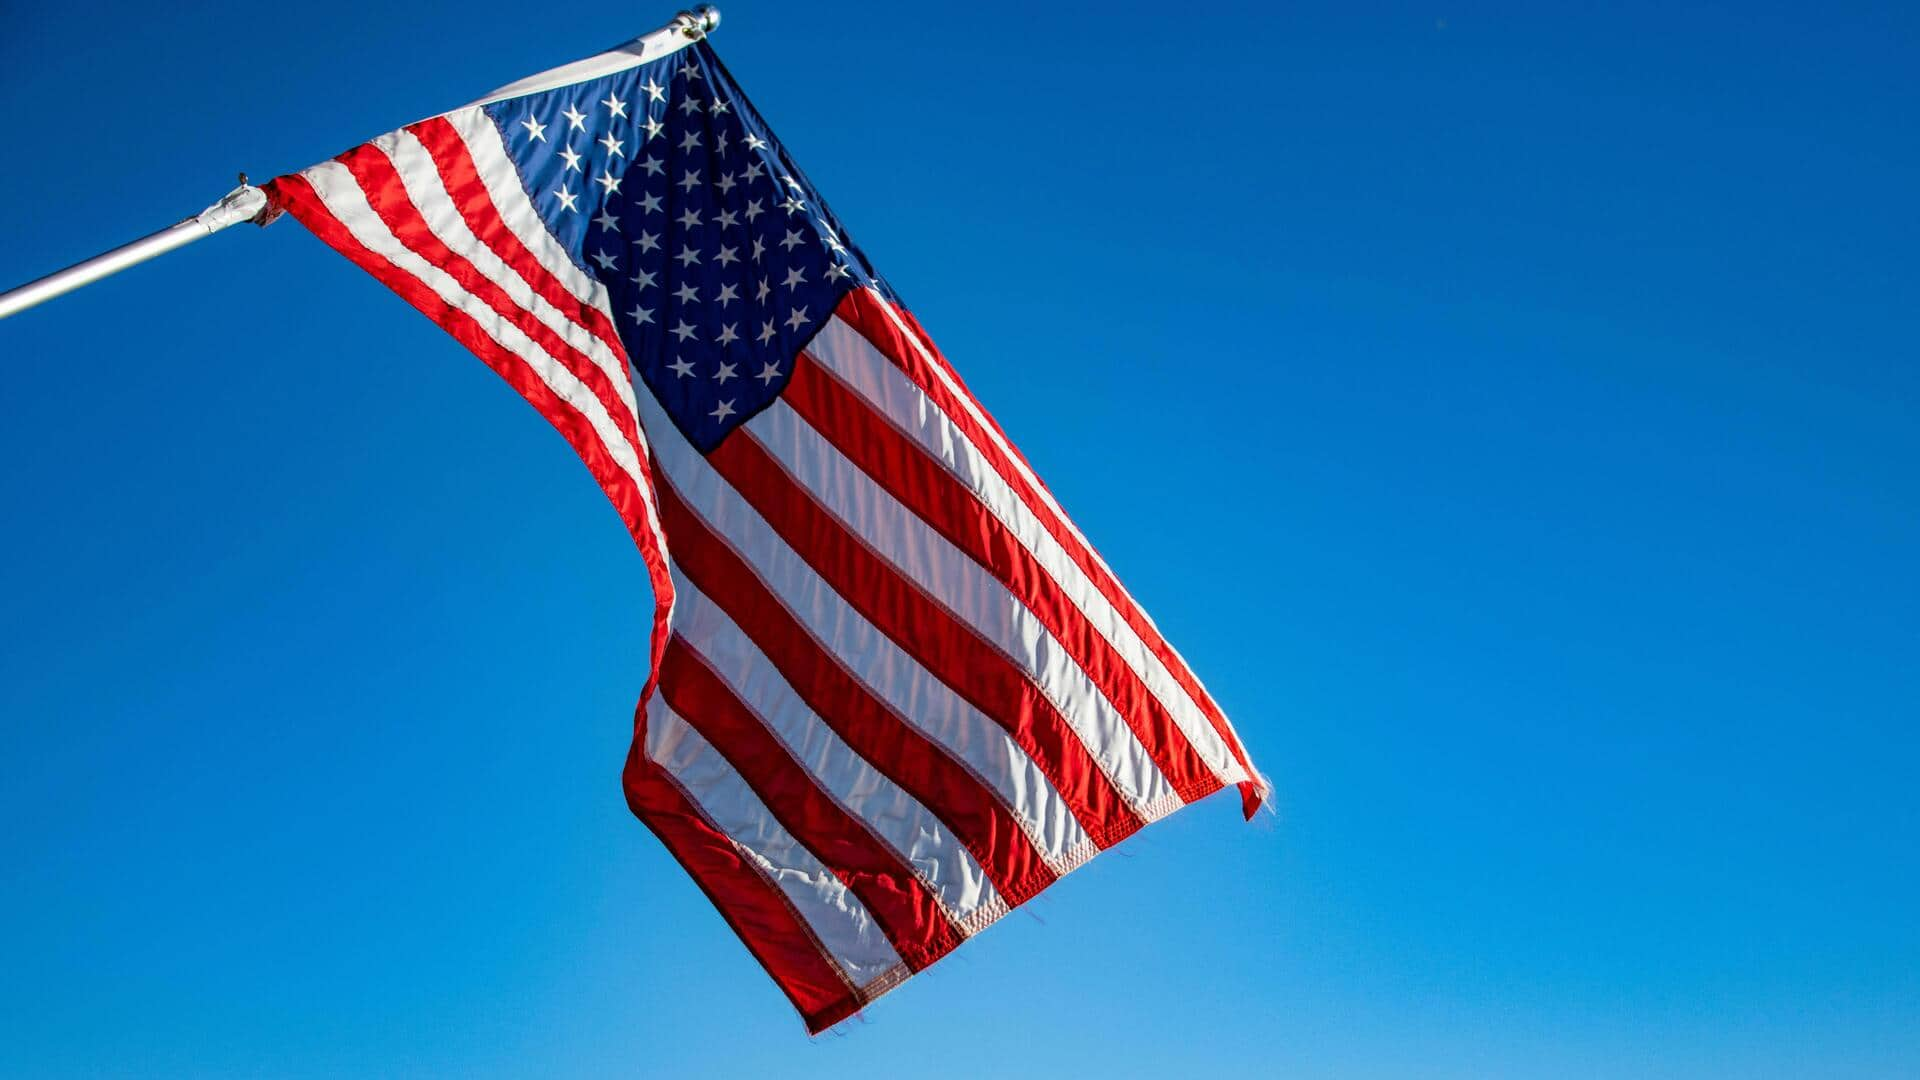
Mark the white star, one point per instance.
(572, 159)
(608, 181)
(798, 318)
(688, 256)
(760, 294)
(655, 92)
(755, 171)
(567, 198)
(794, 277)
(654, 128)
(653, 165)
(759, 249)
(691, 140)
(535, 129)
(614, 105)
(689, 105)
(755, 142)
(687, 292)
(727, 219)
(836, 272)
(728, 294)
(644, 279)
(790, 181)
(794, 204)
(833, 242)
(689, 218)
(690, 179)
(641, 314)
(726, 142)
(605, 260)
(689, 71)
(649, 204)
(680, 367)
(576, 120)
(793, 240)
(727, 256)
(607, 221)
(754, 210)
(682, 331)
(769, 373)
(727, 336)
(724, 372)
(719, 106)
(725, 183)
(613, 145)
(647, 241)
(722, 410)
(767, 333)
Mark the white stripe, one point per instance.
(427, 190)
(348, 204)
(917, 837)
(839, 921)
(1019, 465)
(954, 581)
(853, 361)
(1033, 482)
(501, 178)
(894, 677)
(960, 393)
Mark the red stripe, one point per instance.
(294, 194)
(462, 178)
(862, 310)
(929, 633)
(920, 334)
(759, 913)
(905, 910)
(1251, 790)
(300, 199)
(924, 486)
(864, 722)
(387, 194)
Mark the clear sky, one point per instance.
(1519, 414)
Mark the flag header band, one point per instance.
(685, 29)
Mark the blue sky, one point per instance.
(1518, 412)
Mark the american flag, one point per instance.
(894, 692)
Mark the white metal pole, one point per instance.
(241, 204)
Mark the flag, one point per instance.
(894, 692)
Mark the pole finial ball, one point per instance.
(699, 22)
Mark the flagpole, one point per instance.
(248, 203)
(243, 203)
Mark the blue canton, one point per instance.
(719, 258)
